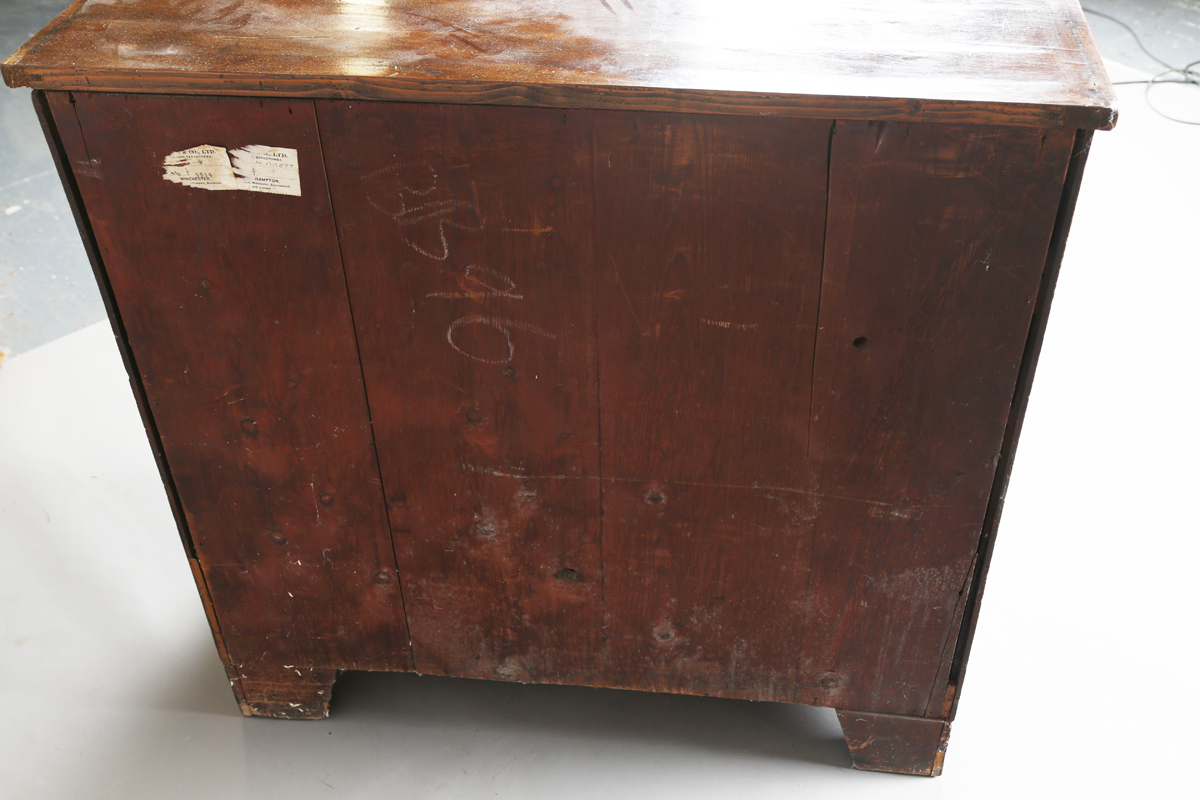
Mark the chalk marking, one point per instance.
(499, 323)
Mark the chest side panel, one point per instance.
(467, 235)
(937, 238)
(234, 304)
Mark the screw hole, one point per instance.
(861, 343)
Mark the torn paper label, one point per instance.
(254, 168)
(205, 167)
(259, 168)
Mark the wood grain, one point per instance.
(239, 322)
(937, 236)
(709, 233)
(1016, 414)
(886, 743)
(60, 140)
(701, 403)
(467, 237)
(1022, 62)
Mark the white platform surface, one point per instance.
(1081, 681)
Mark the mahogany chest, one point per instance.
(643, 344)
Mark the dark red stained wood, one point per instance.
(1016, 414)
(1021, 62)
(58, 138)
(282, 692)
(709, 234)
(885, 743)
(467, 238)
(937, 239)
(234, 306)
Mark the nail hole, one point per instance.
(958, 473)
(831, 682)
(474, 415)
(485, 529)
(664, 634)
(508, 372)
(567, 575)
(382, 578)
(861, 343)
(249, 427)
(291, 384)
(557, 182)
(564, 436)
(206, 284)
(326, 499)
(277, 537)
(655, 498)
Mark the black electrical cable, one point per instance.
(1187, 74)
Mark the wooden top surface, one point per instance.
(1025, 62)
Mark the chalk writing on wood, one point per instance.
(423, 208)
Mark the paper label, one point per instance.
(254, 168)
(205, 167)
(258, 168)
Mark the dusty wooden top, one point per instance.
(1028, 62)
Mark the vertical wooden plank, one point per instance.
(467, 238)
(60, 137)
(709, 233)
(1016, 415)
(235, 308)
(937, 239)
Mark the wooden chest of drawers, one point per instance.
(648, 345)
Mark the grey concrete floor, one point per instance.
(46, 284)
(1170, 29)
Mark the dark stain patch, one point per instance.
(486, 528)
(831, 680)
